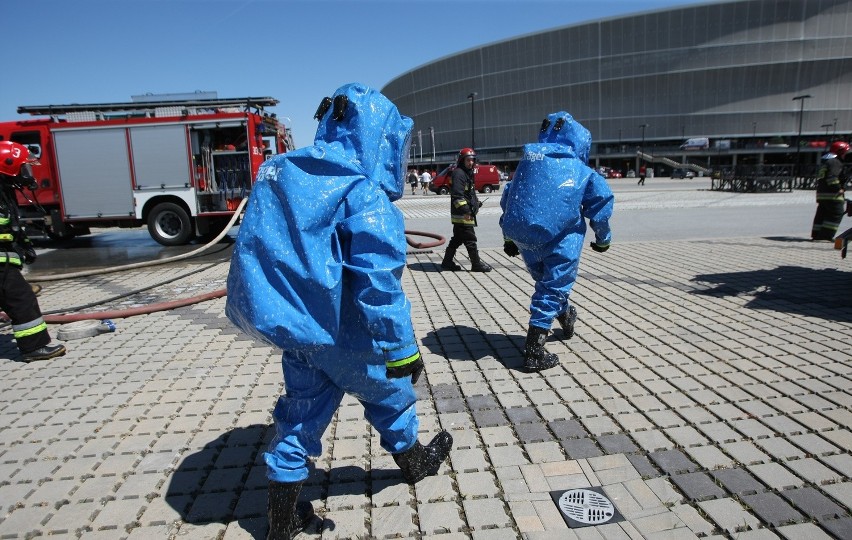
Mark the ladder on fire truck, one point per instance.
(147, 109)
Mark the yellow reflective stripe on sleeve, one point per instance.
(404, 361)
(4, 221)
(31, 331)
(6, 237)
(12, 260)
(461, 220)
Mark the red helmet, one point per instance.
(465, 152)
(12, 157)
(839, 148)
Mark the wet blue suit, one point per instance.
(316, 272)
(545, 207)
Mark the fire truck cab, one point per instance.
(180, 167)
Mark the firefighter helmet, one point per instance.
(12, 156)
(839, 148)
(465, 152)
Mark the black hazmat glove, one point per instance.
(600, 248)
(510, 249)
(412, 365)
(29, 255)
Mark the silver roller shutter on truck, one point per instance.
(94, 167)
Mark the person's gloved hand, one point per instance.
(600, 248)
(412, 365)
(510, 249)
(29, 255)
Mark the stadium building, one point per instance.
(709, 85)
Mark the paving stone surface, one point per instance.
(708, 394)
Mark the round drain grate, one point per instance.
(586, 506)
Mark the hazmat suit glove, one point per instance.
(600, 248)
(413, 365)
(510, 249)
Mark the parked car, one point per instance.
(609, 172)
(486, 178)
(682, 173)
(631, 173)
(696, 143)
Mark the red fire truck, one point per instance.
(181, 167)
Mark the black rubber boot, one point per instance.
(287, 516)
(566, 321)
(536, 357)
(476, 263)
(420, 461)
(448, 263)
(44, 353)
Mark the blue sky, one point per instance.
(297, 51)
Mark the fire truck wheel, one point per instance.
(170, 225)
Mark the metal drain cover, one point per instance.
(585, 507)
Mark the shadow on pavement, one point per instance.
(790, 289)
(225, 482)
(464, 343)
(424, 267)
(800, 239)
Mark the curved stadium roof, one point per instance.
(726, 70)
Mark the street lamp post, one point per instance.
(471, 97)
(826, 126)
(432, 136)
(641, 147)
(801, 99)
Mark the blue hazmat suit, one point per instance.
(317, 270)
(545, 207)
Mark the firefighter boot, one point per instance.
(448, 263)
(287, 516)
(566, 321)
(44, 353)
(476, 263)
(420, 461)
(536, 357)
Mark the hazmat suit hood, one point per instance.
(561, 128)
(365, 128)
(554, 191)
(321, 248)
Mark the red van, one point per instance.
(486, 178)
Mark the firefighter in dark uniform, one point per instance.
(831, 203)
(464, 205)
(16, 296)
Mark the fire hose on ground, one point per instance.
(89, 324)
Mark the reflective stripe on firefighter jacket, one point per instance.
(8, 253)
(464, 204)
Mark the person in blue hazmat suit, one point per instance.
(545, 209)
(316, 271)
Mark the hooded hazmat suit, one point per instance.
(316, 272)
(545, 207)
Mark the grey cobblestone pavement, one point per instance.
(706, 392)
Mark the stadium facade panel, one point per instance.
(727, 71)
